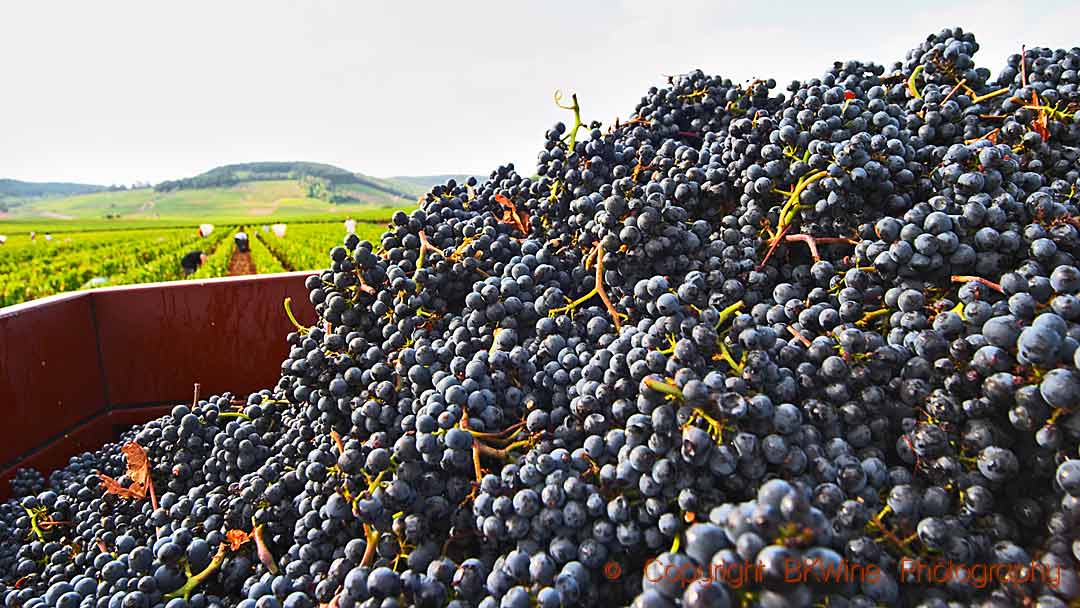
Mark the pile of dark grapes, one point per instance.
(27, 481)
(827, 330)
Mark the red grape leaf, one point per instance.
(512, 215)
(237, 538)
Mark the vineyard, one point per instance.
(39, 267)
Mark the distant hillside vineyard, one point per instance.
(262, 189)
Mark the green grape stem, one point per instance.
(576, 109)
(912, 88)
(288, 311)
(665, 388)
(196, 580)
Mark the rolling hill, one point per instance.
(259, 191)
(227, 175)
(13, 191)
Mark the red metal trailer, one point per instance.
(77, 368)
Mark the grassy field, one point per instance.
(249, 201)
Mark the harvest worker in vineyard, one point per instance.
(241, 239)
(191, 262)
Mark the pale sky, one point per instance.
(119, 91)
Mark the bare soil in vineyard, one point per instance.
(241, 264)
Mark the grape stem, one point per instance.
(288, 311)
(665, 388)
(728, 312)
(902, 545)
(787, 214)
(990, 95)
(364, 287)
(503, 453)
(371, 538)
(959, 310)
(576, 109)
(798, 334)
(867, 317)
(475, 446)
(425, 245)
(456, 254)
(265, 556)
(714, 427)
(725, 355)
(788, 211)
(1053, 111)
(1023, 65)
(671, 345)
(196, 580)
(963, 278)
(1055, 414)
(772, 246)
(589, 259)
(505, 436)
(956, 88)
(992, 136)
(598, 289)
(912, 88)
(813, 242)
(338, 442)
(34, 528)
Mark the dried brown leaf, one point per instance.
(138, 470)
(112, 486)
(138, 464)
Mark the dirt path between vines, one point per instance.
(241, 263)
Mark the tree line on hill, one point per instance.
(318, 177)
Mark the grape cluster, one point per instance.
(27, 481)
(748, 347)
